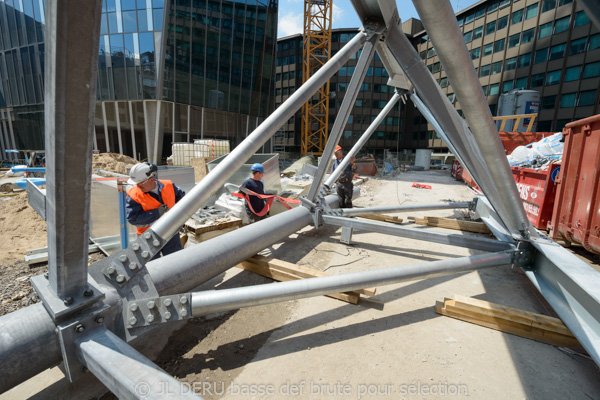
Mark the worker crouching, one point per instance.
(149, 199)
(255, 205)
(344, 184)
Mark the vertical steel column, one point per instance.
(442, 28)
(343, 113)
(3, 147)
(169, 223)
(11, 131)
(363, 139)
(105, 125)
(132, 127)
(72, 36)
(118, 121)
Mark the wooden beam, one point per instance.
(449, 223)
(299, 270)
(510, 320)
(283, 276)
(382, 218)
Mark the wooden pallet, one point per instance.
(510, 320)
(283, 271)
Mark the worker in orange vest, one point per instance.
(344, 184)
(149, 199)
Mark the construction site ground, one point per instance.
(390, 346)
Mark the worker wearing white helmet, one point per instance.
(149, 199)
(254, 204)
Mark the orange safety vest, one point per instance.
(149, 203)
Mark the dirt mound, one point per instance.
(113, 162)
(21, 228)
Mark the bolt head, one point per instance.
(167, 315)
(155, 243)
(68, 301)
(135, 247)
(132, 321)
(151, 305)
(120, 278)
(46, 275)
(145, 254)
(122, 258)
(110, 270)
(132, 266)
(79, 328)
(183, 300)
(133, 307)
(167, 302)
(183, 312)
(99, 319)
(150, 318)
(88, 293)
(147, 235)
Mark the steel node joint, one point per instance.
(151, 311)
(523, 255)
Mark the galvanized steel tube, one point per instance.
(230, 299)
(166, 226)
(348, 212)
(442, 28)
(363, 139)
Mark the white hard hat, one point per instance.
(141, 172)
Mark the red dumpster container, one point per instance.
(537, 189)
(576, 216)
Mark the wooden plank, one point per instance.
(284, 276)
(200, 167)
(382, 218)
(300, 270)
(469, 226)
(197, 228)
(516, 324)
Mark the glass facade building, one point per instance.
(168, 71)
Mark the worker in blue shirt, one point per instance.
(254, 204)
(344, 183)
(149, 199)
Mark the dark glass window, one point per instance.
(524, 60)
(484, 71)
(577, 46)
(581, 19)
(129, 21)
(548, 102)
(504, 3)
(521, 83)
(537, 80)
(591, 70)
(545, 30)
(573, 73)
(480, 13)
(540, 56)
(531, 11)
(444, 82)
(499, 45)
(587, 98)
(561, 25)
(548, 5)
(436, 67)
(497, 67)
(557, 51)
(488, 49)
(485, 90)
(511, 63)
(430, 52)
(127, 5)
(502, 22)
(423, 55)
(513, 40)
(517, 17)
(490, 27)
(507, 86)
(568, 100)
(594, 42)
(468, 36)
(528, 36)
(492, 7)
(478, 32)
(475, 53)
(469, 18)
(553, 77)
(564, 2)
(494, 89)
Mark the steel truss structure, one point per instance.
(88, 315)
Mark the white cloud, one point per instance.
(290, 24)
(337, 14)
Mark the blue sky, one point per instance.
(291, 17)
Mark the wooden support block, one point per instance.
(510, 320)
(283, 276)
(299, 270)
(469, 226)
(382, 218)
(198, 228)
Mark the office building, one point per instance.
(168, 71)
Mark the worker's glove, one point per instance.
(162, 209)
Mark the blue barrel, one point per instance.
(22, 183)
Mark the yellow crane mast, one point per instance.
(316, 52)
